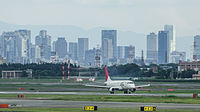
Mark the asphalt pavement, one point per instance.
(81, 104)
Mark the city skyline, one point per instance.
(133, 19)
(111, 53)
(72, 33)
(98, 43)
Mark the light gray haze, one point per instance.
(140, 16)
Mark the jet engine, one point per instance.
(133, 90)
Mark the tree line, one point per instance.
(167, 71)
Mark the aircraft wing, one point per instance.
(97, 86)
(141, 86)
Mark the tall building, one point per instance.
(108, 49)
(25, 38)
(196, 52)
(109, 44)
(163, 47)
(73, 50)
(152, 48)
(98, 57)
(15, 46)
(61, 47)
(53, 46)
(112, 36)
(90, 57)
(35, 54)
(172, 37)
(82, 47)
(129, 53)
(44, 42)
(121, 52)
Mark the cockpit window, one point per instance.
(130, 83)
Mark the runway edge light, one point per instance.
(147, 108)
(90, 108)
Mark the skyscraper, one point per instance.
(35, 54)
(109, 44)
(152, 48)
(15, 46)
(61, 47)
(25, 37)
(130, 53)
(163, 48)
(73, 50)
(53, 46)
(44, 42)
(196, 52)
(108, 48)
(121, 52)
(82, 47)
(172, 37)
(90, 57)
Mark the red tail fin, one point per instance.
(106, 73)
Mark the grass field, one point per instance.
(164, 99)
(55, 85)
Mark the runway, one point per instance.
(81, 104)
(98, 93)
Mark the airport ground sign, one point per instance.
(147, 108)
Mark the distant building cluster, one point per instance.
(161, 47)
(16, 47)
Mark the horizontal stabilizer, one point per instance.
(97, 86)
(141, 86)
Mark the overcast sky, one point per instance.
(141, 16)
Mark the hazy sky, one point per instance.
(141, 16)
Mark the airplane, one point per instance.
(121, 85)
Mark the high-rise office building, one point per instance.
(15, 46)
(9, 46)
(196, 52)
(112, 35)
(82, 47)
(25, 37)
(53, 46)
(129, 53)
(44, 42)
(172, 37)
(163, 47)
(35, 54)
(73, 50)
(152, 48)
(61, 47)
(90, 57)
(121, 52)
(108, 48)
(109, 45)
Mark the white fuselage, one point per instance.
(122, 84)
